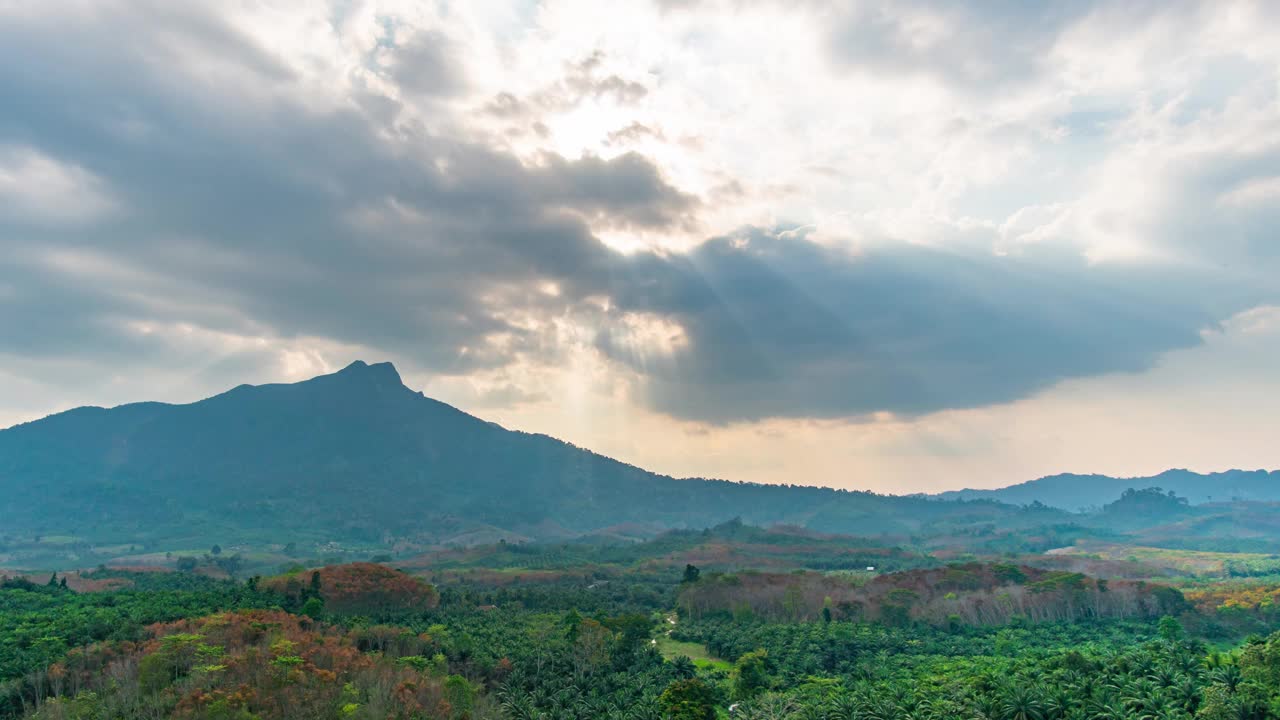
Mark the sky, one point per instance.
(899, 246)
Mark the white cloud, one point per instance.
(39, 188)
(1251, 193)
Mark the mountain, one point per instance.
(1082, 492)
(356, 456)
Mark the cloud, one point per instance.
(348, 188)
(624, 191)
(37, 188)
(633, 133)
(426, 65)
(578, 82)
(775, 325)
(978, 46)
(267, 209)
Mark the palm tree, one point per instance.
(845, 707)
(1109, 710)
(1228, 675)
(1059, 703)
(1186, 694)
(1021, 702)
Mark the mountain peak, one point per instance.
(378, 372)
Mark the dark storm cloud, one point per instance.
(243, 209)
(626, 191)
(787, 327)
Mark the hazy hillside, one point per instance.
(1081, 492)
(357, 455)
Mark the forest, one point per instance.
(681, 627)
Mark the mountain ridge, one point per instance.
(357, 454)
(1079, 492)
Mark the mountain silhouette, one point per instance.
(356, 455)
(1084, 492)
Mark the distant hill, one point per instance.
(1084, 492)
(356, 456)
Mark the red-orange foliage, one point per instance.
(79, 583)
(728, 554)
(502, 578)
(975, 593)
(1263, 599)
(361, 588)
(270, 664)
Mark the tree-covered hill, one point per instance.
(357, 455)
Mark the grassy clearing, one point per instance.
(695, 652)
(123, 549)
(1194, 563)
(58, 540)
